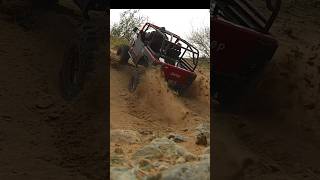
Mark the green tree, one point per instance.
(128, 20)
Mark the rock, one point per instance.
(181, 151)
(157, 164)
(160, 147)
(201, 139)
(116, 159)
(206, 150)
(204, 157)
(203, 134)
(180, 160)
(145, 164)
(188, 171)
(177, 138)
(163, 167)
(118, 150)
(145, 132)
(147, 152)
(185, 130)
(204, 128)
(122, 173)
(152, 137)
(168, 147)
(190, 157)
(125, 136)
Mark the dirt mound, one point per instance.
(154, 110)
(153, 93)
(200, 88)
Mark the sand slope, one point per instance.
(154, 107)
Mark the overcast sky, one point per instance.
(178, 21)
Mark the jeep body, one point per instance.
(178, 58)
(241, 46)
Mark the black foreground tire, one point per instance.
(72, 73)
(88, 45)
(79, 59)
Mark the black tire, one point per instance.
(72, 73)
(123, 53)
(176, 88)
(181, 90)
(88, 45)
(79, 59)
(133, 82)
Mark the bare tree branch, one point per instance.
(200, 37)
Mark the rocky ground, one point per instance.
(156, 134)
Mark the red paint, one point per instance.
(239, 44)
(182, 77)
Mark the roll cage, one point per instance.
(245, 13)
(188, 56)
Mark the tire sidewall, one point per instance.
(69, 89)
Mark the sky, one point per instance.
(178, 21)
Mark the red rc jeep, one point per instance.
(153, 45)
(241, 45)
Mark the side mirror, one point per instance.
(135, 29)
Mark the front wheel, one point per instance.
(72, 73)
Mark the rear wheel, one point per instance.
(123, 53)
(176, 88)
(181, 91)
